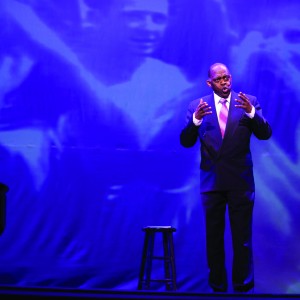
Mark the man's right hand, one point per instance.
(202, 110)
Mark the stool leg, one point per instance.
(169, 261)
(143, 262)
(172, 262)
(150, 250)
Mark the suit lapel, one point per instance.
(234, 116)
(213, 118)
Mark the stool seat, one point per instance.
(168, 257)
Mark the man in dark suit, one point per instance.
(226, 173)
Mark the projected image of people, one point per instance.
(35, 96)
(271, 54)
(128, 130)
(93, 95)
(99, 110)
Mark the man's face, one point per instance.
(144, 24)
(220, 81)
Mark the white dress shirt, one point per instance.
(218, 106)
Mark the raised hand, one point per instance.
(202, 110)
(244, 103)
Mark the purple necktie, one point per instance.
(223, 116)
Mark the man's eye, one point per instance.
(225, 78)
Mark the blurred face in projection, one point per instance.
(144, 24)
(286, 44)
(124, 27)
(279, 43)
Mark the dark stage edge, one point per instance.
(8, 292)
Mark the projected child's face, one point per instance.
(144, 24)
(135, 26)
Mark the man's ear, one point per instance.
(208, 82)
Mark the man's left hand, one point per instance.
(244, 103)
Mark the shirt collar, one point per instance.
(217, 98)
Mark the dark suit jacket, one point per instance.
(225, 164)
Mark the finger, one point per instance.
(207, 108)
(239, 101)
(199, 105)
(243, 97)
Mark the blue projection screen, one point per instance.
(93, 98)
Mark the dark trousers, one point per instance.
(240, 209)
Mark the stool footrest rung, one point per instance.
(162, 257)
(159, 280)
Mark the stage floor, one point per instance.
(8, 292)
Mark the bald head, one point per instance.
(216, 66)
(219, 79)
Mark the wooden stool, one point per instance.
(3, 190)
(168, 257)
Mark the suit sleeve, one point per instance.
(189, 134)
(260, 126)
